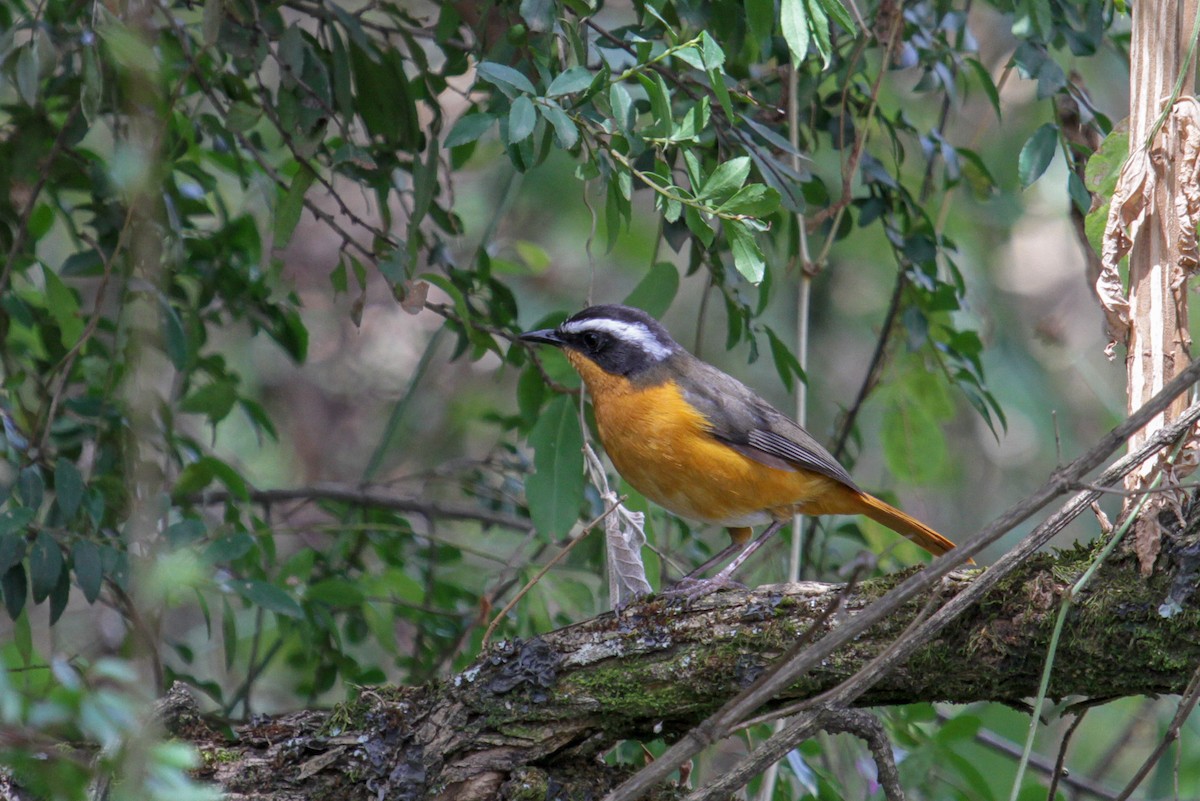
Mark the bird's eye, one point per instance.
(592, 341)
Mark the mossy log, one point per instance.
(536, 714)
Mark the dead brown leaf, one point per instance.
(1147, 540)
(414, 295)
(1173, 157)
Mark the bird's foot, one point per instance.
(689, 589)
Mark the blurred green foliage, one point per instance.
(186, 185)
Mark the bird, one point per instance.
(703, 445)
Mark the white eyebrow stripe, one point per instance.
(630, 332)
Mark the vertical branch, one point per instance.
(1162, 251)
(1158, 338)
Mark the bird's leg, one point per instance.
(748, 551)
(720, 557)
(693, 588)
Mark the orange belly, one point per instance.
(662, 446)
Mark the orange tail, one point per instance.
(904, 525)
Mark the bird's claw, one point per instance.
(689, 589)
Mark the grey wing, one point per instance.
(755, 428)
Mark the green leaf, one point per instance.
(1100, 178)
(655, 292)
(93, 86)
(175, 338)
(622, 107)
(242, 116)
(1078, 193)
(199, 474)
(566, 135)
(840, 15)
(12, 551)
(343, 72)
(533, 255)
(617, 209)
(15, 520)
(555, 490)
(185, 532)
(531, 393)
(15, 590)
(87, 262)
(63, 305)
(725, 180)
(60, 594)
(68, 487)
(214, 400)
(786, 363)
(469, 128)
(818, 26)
(504, 78)
(287, 212)
(661, 119)
(45, 563)
(391, 113)
(575, 79)
(521, 119)
(40, 221)
(760, 18)
(716, 79)
(747, 257)
(27, 73)
(755, 200)
(1037, 154)
(538, 14)
(89, 570)
(710, 50)
(269, 597)
(698, 226)
(337, 278)
(1043, 19)
(30, 487)
(793, 22)
(985, 80)
(336, 592)
(211, 21)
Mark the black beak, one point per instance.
(548, 336)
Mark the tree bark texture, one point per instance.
(535, 715)
(1158, 338)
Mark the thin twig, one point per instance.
(587, 529)
(874, 367)
(367, 496)
(1060, 763)
(63, 368)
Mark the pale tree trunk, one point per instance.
(1158, 340)
(1153, 218)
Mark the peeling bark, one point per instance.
(533, 715)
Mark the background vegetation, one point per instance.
(267, 431)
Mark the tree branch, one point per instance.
(372, 496)
(542, 710)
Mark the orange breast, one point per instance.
(662, 446)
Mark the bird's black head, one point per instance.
(620, 340)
